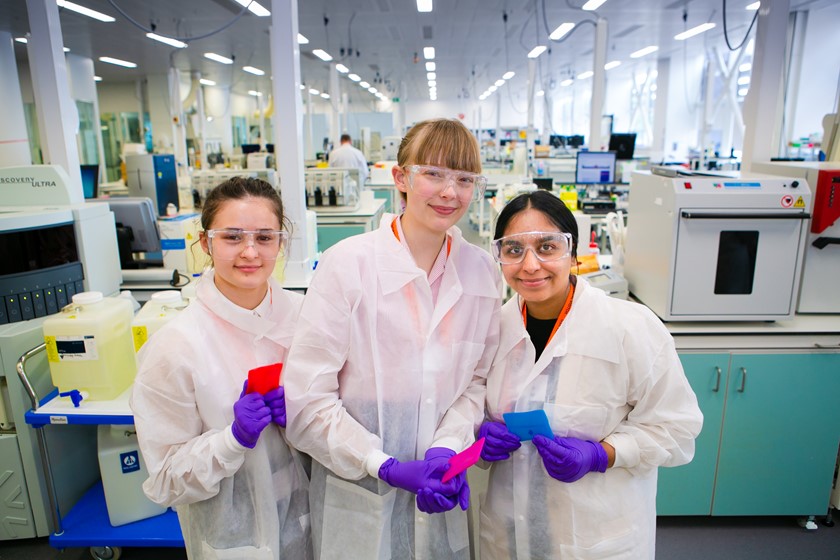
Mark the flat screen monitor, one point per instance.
(138, 215)
(504, 141)
(574, 141)
(250, 148)
(623, 144)
(595, 168)
(90, 180)
(556, 140)
(545, 183)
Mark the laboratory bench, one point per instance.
(769, 395)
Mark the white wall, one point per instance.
(118, 97)
(820, 72)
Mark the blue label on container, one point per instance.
(129, 462)
(172, 244)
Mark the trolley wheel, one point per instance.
(105, 552)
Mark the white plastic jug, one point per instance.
(89, 346)
(161, 308)
(123, 473)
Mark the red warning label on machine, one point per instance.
(787, 201)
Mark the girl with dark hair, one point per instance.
(606, 374)
(214, 451)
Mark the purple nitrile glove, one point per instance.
(499, 442)
(414, 475)
(461, 495)
(276, 401)
(250, 417)
(569, 459)
(432, 502)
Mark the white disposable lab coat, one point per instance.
(233, 503)
(376, 370)
(610, 372)
(348, 156)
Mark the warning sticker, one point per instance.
(787, 201)
(800, 203)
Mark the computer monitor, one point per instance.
(556, 141)
(623, 144)
(137, 228)
(574, 141)
(595, 168)
(250, 148)
(504, 141)
(545, 183)
(90, 180)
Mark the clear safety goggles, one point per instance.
(429, 181)
(230, 243)
(547, 246)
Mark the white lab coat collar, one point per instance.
(269, 327)
(573, 333)
(396, 267)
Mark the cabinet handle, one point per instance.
(717, 383)
(743, 379)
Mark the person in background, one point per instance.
(214, 451)
(385, 380)
(348, 156)
(607, 375)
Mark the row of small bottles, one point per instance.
(91, 343)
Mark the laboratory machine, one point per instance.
(52, 248)
(331, 190)
(818, 292)
(716, 248)
(153, 176)
(203, 181)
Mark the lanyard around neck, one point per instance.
(397, 235)
(567, 306)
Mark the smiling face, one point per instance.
(543, 285)
(436, 211)
(243, 277)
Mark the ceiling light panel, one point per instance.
(167, 40)
(218, 58)
(117, 62)
(429, 53)
(254, 71)
(254, 7)
(322, 54)
(73, 7)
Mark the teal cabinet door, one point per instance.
(329, 235)
(386, 195)
(780, 436)
(688, 489)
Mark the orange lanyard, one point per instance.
(567, 306)
(397, 235)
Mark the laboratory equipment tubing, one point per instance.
(716, 248)
(89, 346)
(499, 443)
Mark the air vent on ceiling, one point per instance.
(427, 32)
